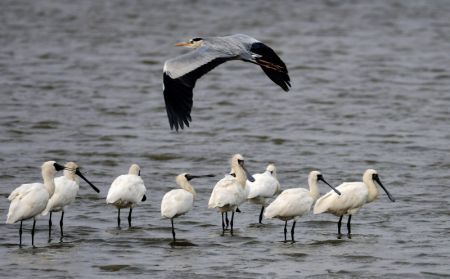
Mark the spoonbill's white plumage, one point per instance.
(182, 72)
(66, 189)
(179, 201)
(295, 202)
(265, 186)
(127, 191)
(354, 196)
(230, 191)
(29, 200)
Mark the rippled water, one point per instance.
(81, 81)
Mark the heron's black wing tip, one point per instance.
(279, 75)
(178, 98)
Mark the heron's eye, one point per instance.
(196, 40)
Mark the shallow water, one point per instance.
(82, 80)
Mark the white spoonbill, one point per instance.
(266, 185)
(354, 196)
(295, 202)
(179, 201)
(66, 189)
(229, 193)
(127, 190)
(29, 200)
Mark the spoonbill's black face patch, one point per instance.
(58, 167)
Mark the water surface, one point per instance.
(81, 81)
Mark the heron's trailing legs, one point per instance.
(269, 65)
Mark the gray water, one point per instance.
(81, 81)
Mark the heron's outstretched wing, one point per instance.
(179, 77)
(272, 65)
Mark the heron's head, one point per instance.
(193, 43)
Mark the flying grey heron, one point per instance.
(181, 73)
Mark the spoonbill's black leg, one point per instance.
(223, 225)
(32, 232)
(129, 217)
(118, 219)
(232, 222)
(348, 226)
(61, 223)
(20, 234)
(226, 219)
(173, 230)
(285, 231)
(50, 227)
(339, 226)
(292, 231)
(261, 215)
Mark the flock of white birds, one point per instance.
(29, 201)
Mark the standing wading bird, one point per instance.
(127, 190)
(354, 196)
(181, 73)
(265, 186)
(228, 194)
(295, 202)
(228, 178)
(29, 200)
(179, 201)
(66, 189)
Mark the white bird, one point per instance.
(266, 185)
(295, 202)
(29, 200)
(229, 193)
(179, 201)
(354, 196)
(181, 73)
(66, 189)
(127, 190)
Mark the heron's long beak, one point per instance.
(377, 179)
(334, 189)
(77, 172)
(182, 44)
(199, 176)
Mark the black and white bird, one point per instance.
(181, 73)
